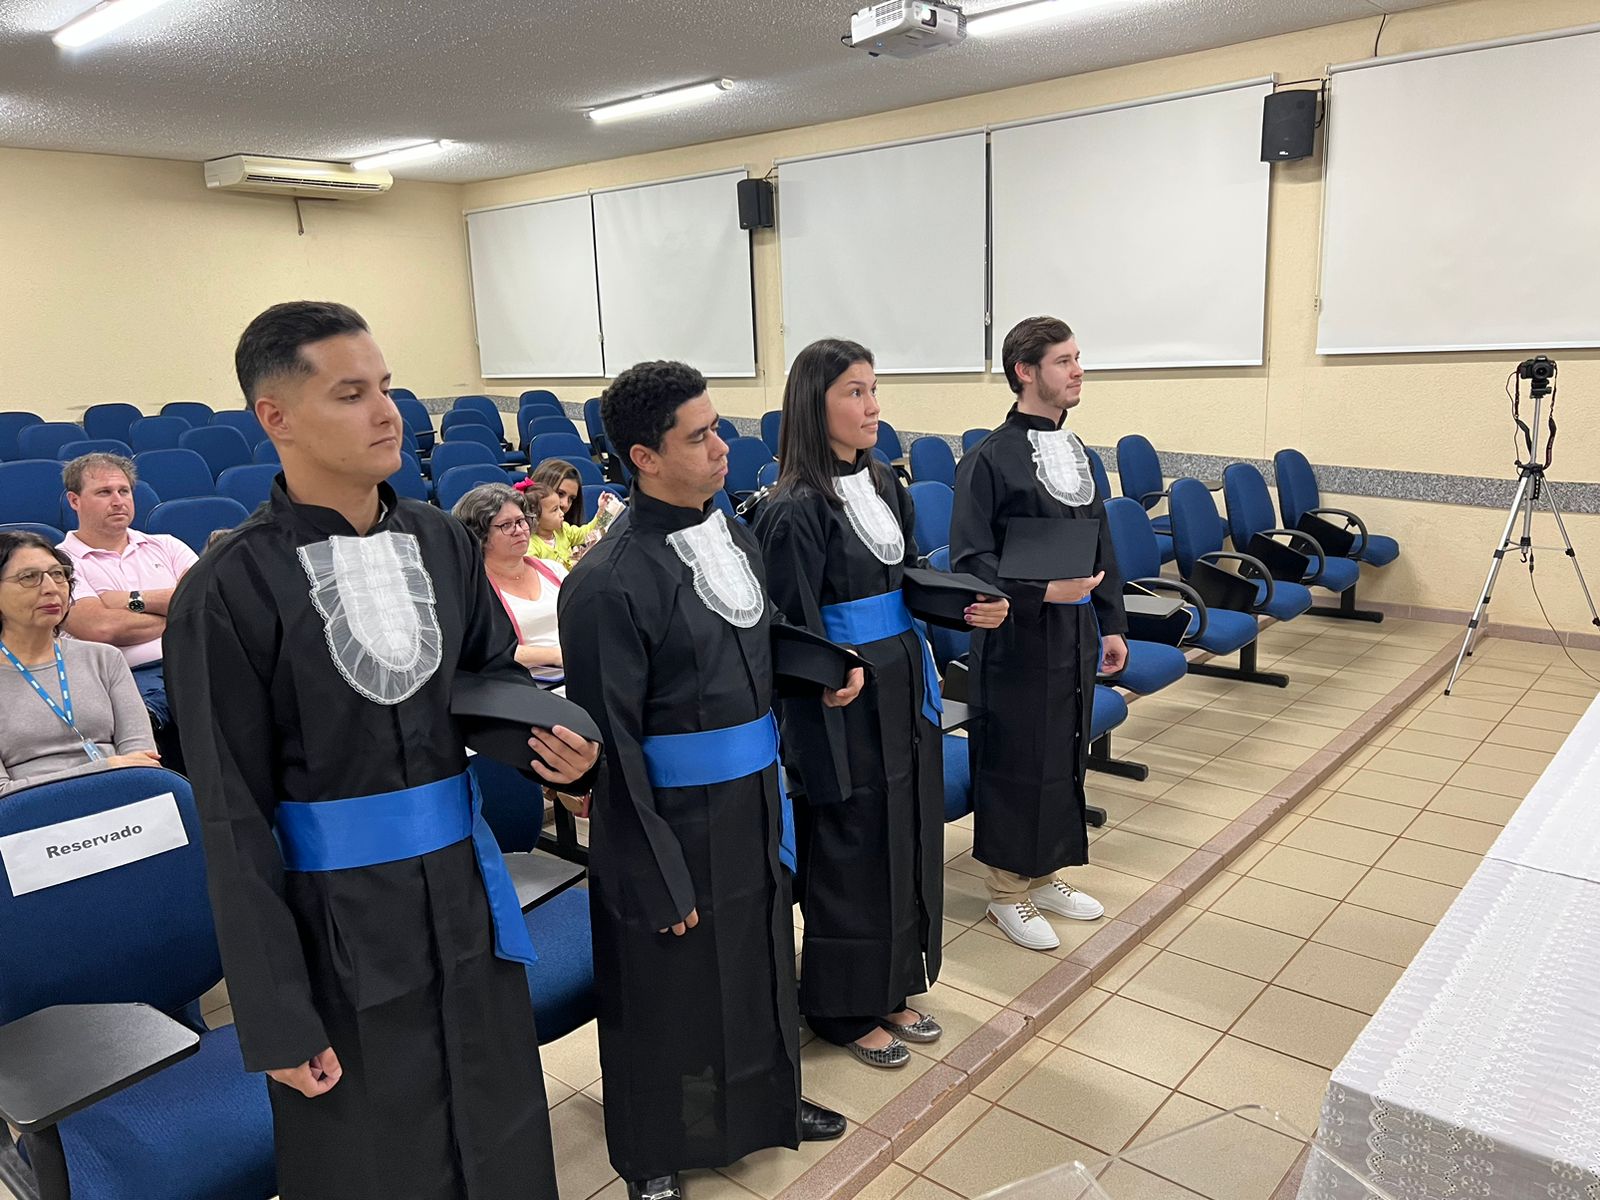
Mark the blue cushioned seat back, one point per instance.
(1110, 710)
(30, 489)
(889, 441)
(933, 461)
(110, 420)
(539, 396)
(513, 805)
(957, 777)
(219, 445)
(144, 503)
(93, 445)
(1151, 666)
(479, 404)
(1097, 468)
(11, 424)
(746, 457)
(1297, 486)
(399, 393)
(557, 445)
(45, 439)
(244, 422)
(1196, 527)
(1249, 503)
(265, 452)
(49, 532)
(768, 475)
(407, 482)
(771, 428)
(194, 519)
(588, 472)
(481, 434)
(727, 430)
(948, 644)
(462, 417)
(458, 481)
(250, 485)
(176, 474)
(139, 932)
(413, 412)
(591, 496)
(933, 503)
(191, 412)
(1138, 467)
(553, 424)
(972, 437)
(1138, 552)
(593, 422)
(561, 983)
(461, 454)
(157, 433)
(725, 506)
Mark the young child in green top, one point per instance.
(551, 494)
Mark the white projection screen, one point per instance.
(886, 246)
(1143, 226)
(1463, 201)
(533, 290)
(675, 275)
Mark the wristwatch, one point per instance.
(135, 602)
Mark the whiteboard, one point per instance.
(886, 247)
(674, 272)
(533, 290)
(1463, 202)
(1143, 227)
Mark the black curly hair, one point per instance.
(642, 403)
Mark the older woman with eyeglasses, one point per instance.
(497, 515)
(66, 706)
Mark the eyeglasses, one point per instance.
(513, 526)
(32, 579)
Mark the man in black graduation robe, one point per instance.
(310, 656)
(665, 633)
(1033, 678)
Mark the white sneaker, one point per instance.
(1067, 901)
(1023, 924)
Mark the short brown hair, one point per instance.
(72, 474)
(479, 507)
(1027, 343)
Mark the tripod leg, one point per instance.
(1572, 555)
(1484, 597)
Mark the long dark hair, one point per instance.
(804, 451)
(552, 473)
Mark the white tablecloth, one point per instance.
(1479, 1076)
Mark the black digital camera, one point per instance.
(1538, 371)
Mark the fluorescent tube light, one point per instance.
(1020, 16)
(660, 101)
(405, 154)
(101, 20)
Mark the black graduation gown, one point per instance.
(1032, 678)
(870, 819)
(392, 965)
(699, 1034)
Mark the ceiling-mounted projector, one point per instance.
(906, 28)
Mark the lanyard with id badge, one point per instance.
(62, 710)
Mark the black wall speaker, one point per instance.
(755, 204)
(1289, 125)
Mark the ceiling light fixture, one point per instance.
(660, 101)
(405, 154)
(1020, 16)
(100, 20)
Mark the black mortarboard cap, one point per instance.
(1040, 549)
(495, 716)
(800, 656)
(943, 597)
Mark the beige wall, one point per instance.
(124, 278)
(1437, 413)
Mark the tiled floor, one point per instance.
(1251, 992)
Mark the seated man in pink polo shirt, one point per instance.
(123, 579)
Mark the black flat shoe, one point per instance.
(818, 1124)
(662, 1187)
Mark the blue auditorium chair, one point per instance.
(561, 983)
(11, 424)
(265, 452)
(176, 474)
(972, 437)
(110, 420)
(30, 490)
(45, 439)
(194, 519)
(250, 485)
(772, 428)
(219, 445)
(768, 475)
(557, 445)
(1251, 516)
(1198, 534)
(481, 404)
(594, 424)
(588, 473)
(531, 413)
(49, 532)
(457, 417)
(550, 423)
(889, 442)
(932, 461)
(461, 454)
(132, 938)
(473, 432)
(746, 457)
(401, 393)
(725, 506)
(591, 496)
(157, 433)
(71, 450)
(408, 482)
(191, 412)
(245, 422)
(1298, 496)
(539, 396)
(932, 503)
(727, 430)
(450, 486)
(416, 417)
(144, 503)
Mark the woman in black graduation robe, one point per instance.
(393, 965)
(699, 1034)
(1032, 679)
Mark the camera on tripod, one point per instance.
(1538, 371)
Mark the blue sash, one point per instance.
(875, 619)
(675, 760)
(339, 835)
